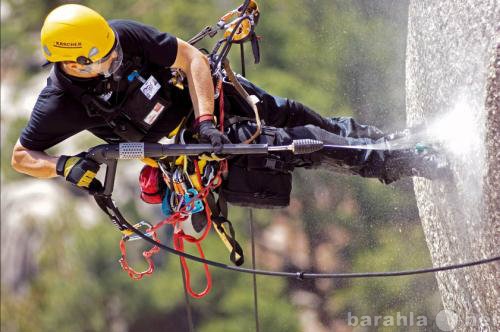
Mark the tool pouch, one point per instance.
(259, 188)
(257, 181)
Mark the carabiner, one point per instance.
(196, 205)
(146, 254)
(143, 226)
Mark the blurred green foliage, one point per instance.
(341, 58)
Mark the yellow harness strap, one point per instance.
(152, 162)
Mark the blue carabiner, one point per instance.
(197, 205)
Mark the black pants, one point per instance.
(287, 120)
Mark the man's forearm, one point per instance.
(34, 163)
(197, 69)
(201, 87)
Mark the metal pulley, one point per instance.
(245, 28)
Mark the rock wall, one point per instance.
(453, 67)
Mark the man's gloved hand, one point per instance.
(80, 171)
(210, 134)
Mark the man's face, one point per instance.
(101, 67)
(105, 66)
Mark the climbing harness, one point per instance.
(178, 184)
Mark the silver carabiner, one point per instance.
(142, 226)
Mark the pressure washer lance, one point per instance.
(107, 152)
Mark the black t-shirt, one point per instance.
(57, 115)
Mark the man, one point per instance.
(114, 80)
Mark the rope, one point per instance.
(254, 276)
(242, 60)
(307, 275)
(179, 245)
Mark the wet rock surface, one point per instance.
(453, 61)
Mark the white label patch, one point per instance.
(155, 112)
(150, 87)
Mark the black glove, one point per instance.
(210, 134)
(80, 171)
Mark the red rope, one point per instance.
(221, 105)
(179, 245)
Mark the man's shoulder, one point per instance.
(136, 29)
(137, 38)
(124, 23)
(59, 85)
(54, 95)
(53, 99)
(124, 26)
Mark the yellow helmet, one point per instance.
(76, 33)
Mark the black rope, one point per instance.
(306, 275)
(254, 276)
(242, 59)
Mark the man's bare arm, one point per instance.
(34, 163)
(197, 69)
